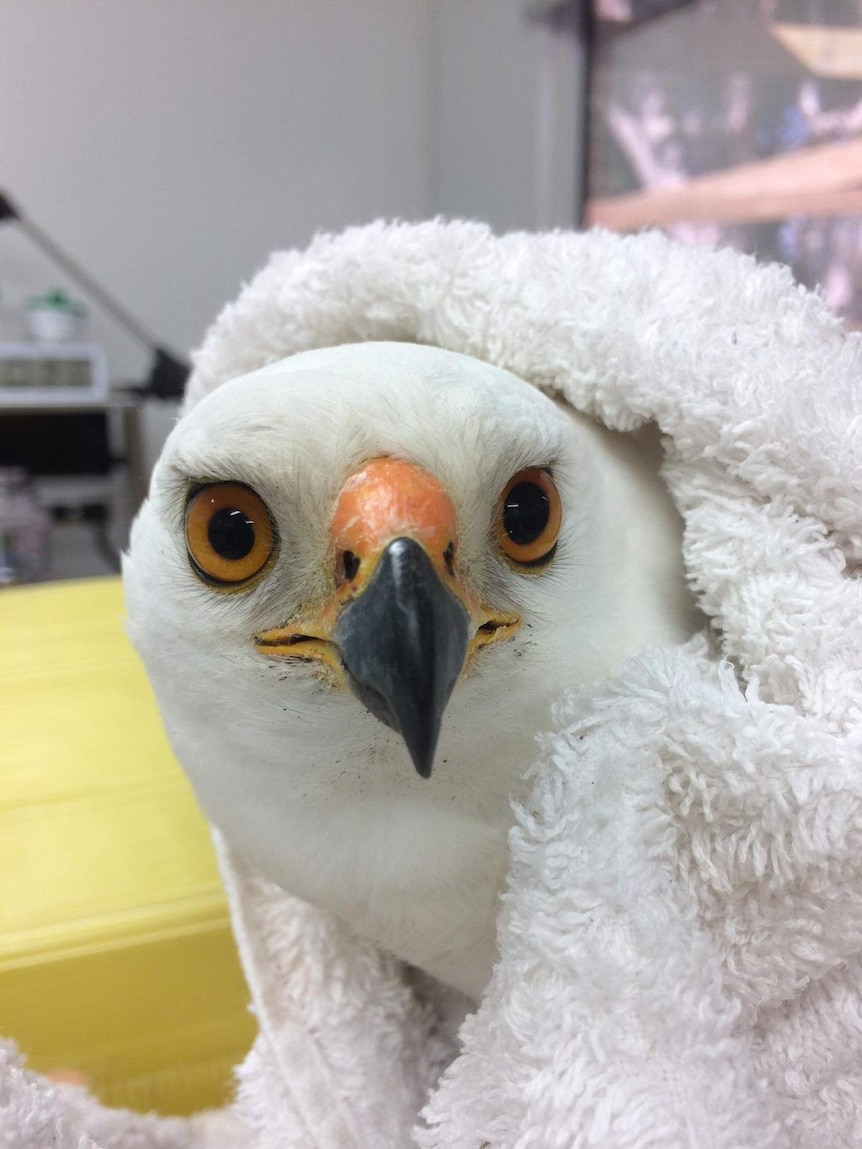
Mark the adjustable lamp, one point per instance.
(168, 373)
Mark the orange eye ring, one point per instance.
(229, 533)
(529, 516)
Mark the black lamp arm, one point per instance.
(169, 374)
(7, 208)
(55, 253)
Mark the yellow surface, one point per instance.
(116, 956)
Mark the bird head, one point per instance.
(370, 569)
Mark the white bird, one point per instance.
(362, 577)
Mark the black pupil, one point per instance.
(231, 533)
(526, 513)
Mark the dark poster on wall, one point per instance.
(734, 122)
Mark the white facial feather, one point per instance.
(315, 791)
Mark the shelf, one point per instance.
(74, 490)
(19, 400)
(23, 359)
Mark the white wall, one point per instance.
(484, 125)
(506, 113)
(170, 145)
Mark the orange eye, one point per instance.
(529, 517)
(229, 533)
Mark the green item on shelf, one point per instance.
(56, 300)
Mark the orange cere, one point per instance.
(384, 500)
(390, 498)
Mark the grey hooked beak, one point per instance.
(403, 642)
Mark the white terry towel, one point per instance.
(681, 938)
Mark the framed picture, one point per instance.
(733, 122)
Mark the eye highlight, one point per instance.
(229, 533)
(529, 517)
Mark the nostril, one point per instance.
(351, 563)
(449, 558)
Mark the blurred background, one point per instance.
(159, 151)
(152, 155)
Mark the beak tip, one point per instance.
(421, 735)
(403, 642)
(424, 764)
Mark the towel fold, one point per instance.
(681, 936)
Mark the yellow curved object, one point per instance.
(116, 956)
